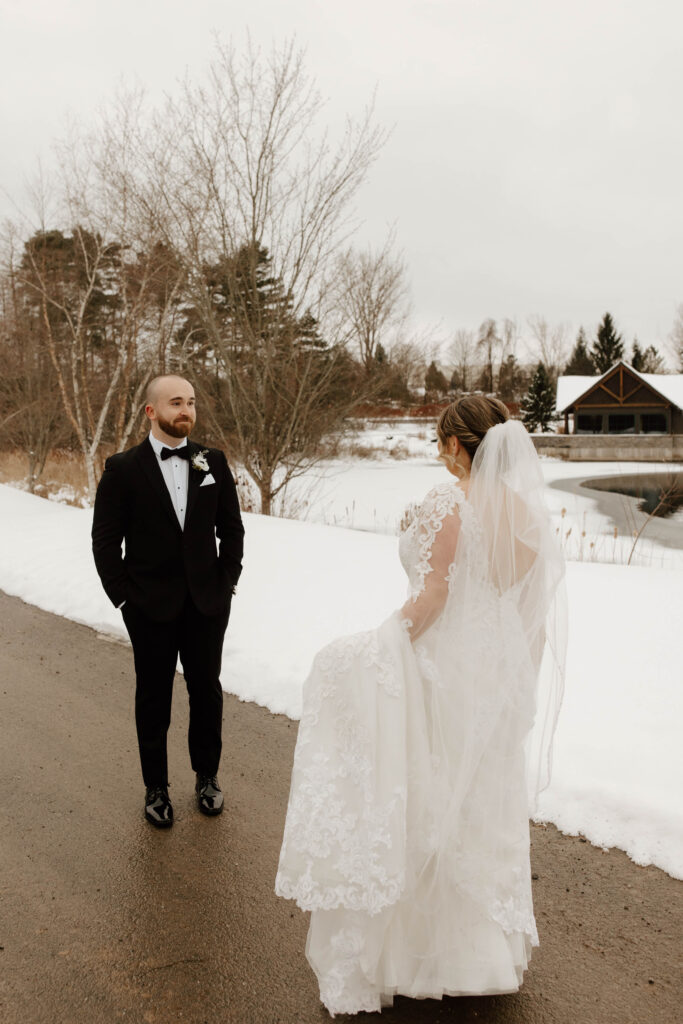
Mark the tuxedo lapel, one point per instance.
(150, 465)
(195, 478)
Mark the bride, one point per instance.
(416, 764)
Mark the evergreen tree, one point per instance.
(609, 347)
(308, 334)
(648, 361)
(510, 379)
(456, 381)
(387, 382)
(580, 363)
(538, 405)
(436, 384)
(637, 357)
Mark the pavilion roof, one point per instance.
(571, 389)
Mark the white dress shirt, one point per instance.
(176, 474)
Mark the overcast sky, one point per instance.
(536, 159)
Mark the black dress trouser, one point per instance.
(198, 640)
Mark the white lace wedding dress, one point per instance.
(407, 830)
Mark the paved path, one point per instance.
(103, 919)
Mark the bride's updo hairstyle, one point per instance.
(469, 418)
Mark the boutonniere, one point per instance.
(198, 461)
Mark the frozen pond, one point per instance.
(659, 494)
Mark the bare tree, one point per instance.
(373, 298)
(550, 344)
(509, 338)
(240, 160)
(488, 343)
(653, 361)
(63, 276)
(33, 419)
(676, 338)
(102, 289)
(462, 353)
(238, 181)
(511, 378)
(150, 290)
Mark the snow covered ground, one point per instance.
(617, 775)
(373, 495)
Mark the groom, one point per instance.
(169, 499)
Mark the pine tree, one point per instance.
(455, 383)
(538, 405)
(648, 361)
(609, 347)
(580, 363)
(637, 357)
(510, 379)
(307, 333)
(436, 384)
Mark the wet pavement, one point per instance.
(104, 919)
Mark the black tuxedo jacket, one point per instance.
(162, 563)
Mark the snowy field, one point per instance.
(617, 775)
(373, 493)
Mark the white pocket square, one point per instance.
(208, 479)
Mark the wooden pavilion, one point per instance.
(622, 401)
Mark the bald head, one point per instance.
(158, 385)
(170, 407)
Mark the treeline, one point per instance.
(212, 237)
(85, 323)
(488, 361)
(209, 238)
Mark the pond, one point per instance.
(658, 494)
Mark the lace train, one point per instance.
(405, 897)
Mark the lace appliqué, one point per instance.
(439, 503)
(338, 657)
(514, 914)
(338, 846)
(344, 988)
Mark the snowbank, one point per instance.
(617, 760)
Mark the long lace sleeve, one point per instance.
(438, 528)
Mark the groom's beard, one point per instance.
(180, 427)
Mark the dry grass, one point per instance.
(64, 475)
(358, 450)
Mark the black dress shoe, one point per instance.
(158, 807)
(209, 796)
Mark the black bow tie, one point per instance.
(182, 453)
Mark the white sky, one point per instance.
(536, 159)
